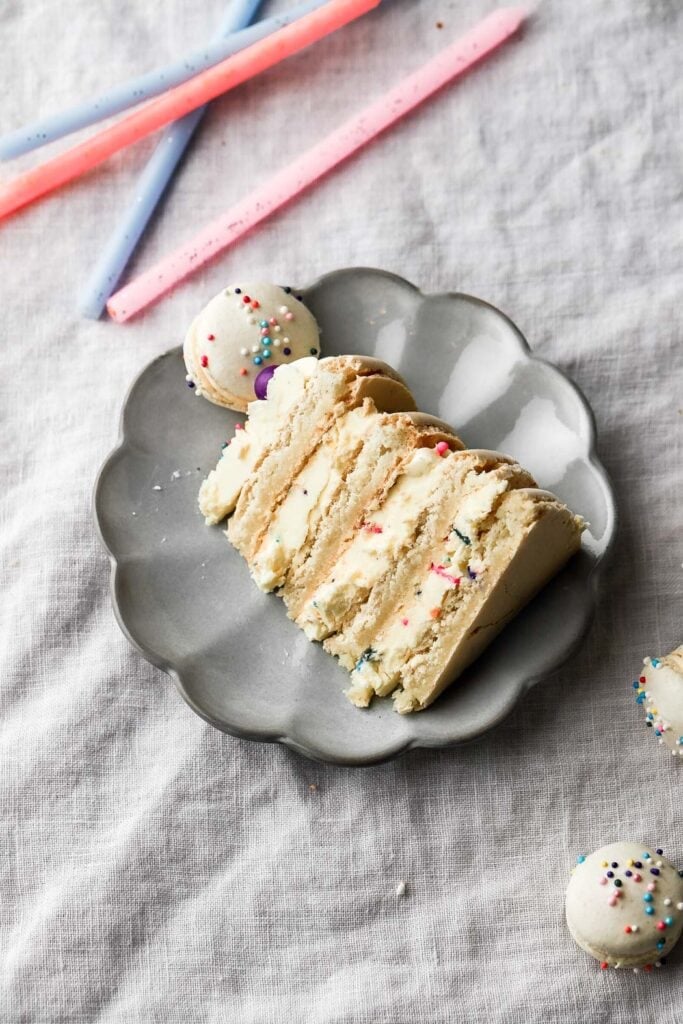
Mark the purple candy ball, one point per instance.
(262, 381)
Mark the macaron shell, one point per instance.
(273, 327)
(661, 693)
(204, 385)
(600, 912)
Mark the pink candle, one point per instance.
(178, 102)
(315, 162)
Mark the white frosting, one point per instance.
(228, 335)
(220, 491)
(309, 497)
(662, 696)
(611, 921)
(376, 546)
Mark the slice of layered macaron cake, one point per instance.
(402, 552)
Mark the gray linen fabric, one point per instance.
(154, 870)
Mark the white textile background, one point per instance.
(154, 870)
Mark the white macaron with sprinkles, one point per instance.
(234, 345)
(659, 690)
(625, 905)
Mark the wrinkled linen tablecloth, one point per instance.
(154, 870)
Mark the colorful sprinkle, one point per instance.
(668, 921)
(404, 622)
(648, 897)
(246, 300)
(204, 360)
(313, 351)
(661, 926)
(441, 448)
(372, 528)
(649, 910)
(440, 570)
(262, 381)
(257, 360)
(243, 372)
(435, 613)
(287, 351)
(369, 654)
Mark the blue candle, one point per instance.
(40, 133)
(159, 171)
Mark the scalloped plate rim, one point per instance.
(553, 663)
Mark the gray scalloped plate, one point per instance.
(185, 600)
